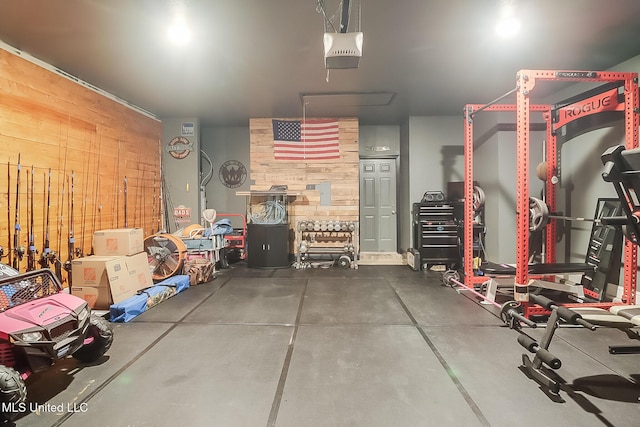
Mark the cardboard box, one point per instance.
(98, 298)
(128, 275)
(91, 280)
(105, 280)
(91, 271)
(139, 270)
(121, 241)
(118, 280)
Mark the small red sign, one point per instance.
(182, 212)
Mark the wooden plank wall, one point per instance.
(54, 123)
(343, 174)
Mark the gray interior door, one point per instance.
(378, 219)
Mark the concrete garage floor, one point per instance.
(377, 346)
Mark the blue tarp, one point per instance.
(147, 298)
(221, 227)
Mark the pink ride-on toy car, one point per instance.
(39, 324)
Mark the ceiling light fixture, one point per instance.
(508, 26)
(179, 32)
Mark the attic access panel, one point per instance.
(346, 99)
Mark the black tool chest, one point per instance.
(436, 234)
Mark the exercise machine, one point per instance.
(600, 269)
(622, 169)
(621, 95)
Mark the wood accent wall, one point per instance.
(343, 174)
(55, 123)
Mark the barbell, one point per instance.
(539, 212)
(511, 312)
(539, 216)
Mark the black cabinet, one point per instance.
(436, 234)
(267, 245)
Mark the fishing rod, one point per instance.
(126, 221)
(31, 250)
(80, 250)
(167, 206)
(115, 207)
(58, 256)
(153, 206)
(97, 207)
(30, 267)
(159, 203)
(71, 242)
(9, 252)
(143, 206)
(57, 261)
(18, 250)
(45, 256)
(135, 202)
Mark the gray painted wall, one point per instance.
(434, 151)
(581, 185)
(181, 175)
(226, 145)
(404, 191)
(379, 141)
(494, 162)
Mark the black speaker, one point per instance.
(433, 196)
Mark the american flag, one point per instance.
(312, 139)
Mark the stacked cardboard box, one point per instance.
(118, 242)
(117, 271)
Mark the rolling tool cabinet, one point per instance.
(436, 234)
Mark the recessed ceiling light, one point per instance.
(509, 24)
(179, 34)
(508, 27)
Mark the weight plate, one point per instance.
(506, 307)
(478, 198)
(538, 214)
(448, 277)
(344, 261)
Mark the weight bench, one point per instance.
(622, 317)
(622, 169)
(497, 279)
